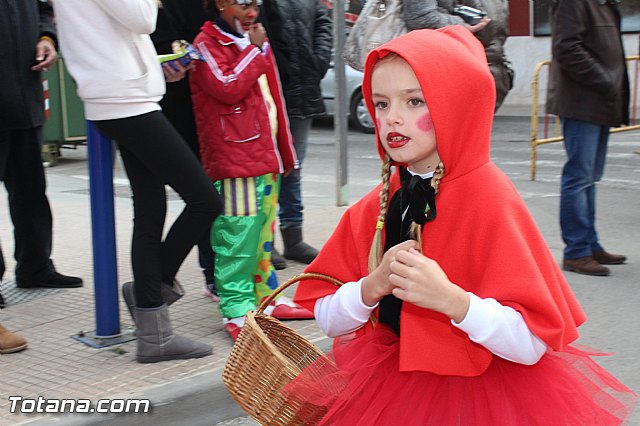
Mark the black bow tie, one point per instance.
(418, 196)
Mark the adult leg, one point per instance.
(29, 206)
(149, 211)
(598, 170)
(4, 152)
(599, 254)
(206, 259)
(2, 270)
(582, 143)
(178, 108)
(290, 200)
(161, 156)
(155, 154)
(30, 212)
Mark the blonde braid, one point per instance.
(375, 253)
(415, 231)
(437, 176)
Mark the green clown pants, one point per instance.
(242, 238)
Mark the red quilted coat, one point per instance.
(231, 113)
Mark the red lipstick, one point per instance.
(396, 140)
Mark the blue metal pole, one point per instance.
(104, 236)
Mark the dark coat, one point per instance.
(186, 18)
(22, 23)
(588, 79)
(300, 33)
(179, 20)
(419, 14)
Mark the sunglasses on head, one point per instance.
(248, 2)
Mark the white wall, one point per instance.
(526, 52)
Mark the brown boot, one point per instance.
(604, 258)
(10, 342)
(585, 265)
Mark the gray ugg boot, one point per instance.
(294, 247)
(170, 294)
(156, 341)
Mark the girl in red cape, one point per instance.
(472, 317)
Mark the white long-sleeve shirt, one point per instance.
(501, 329)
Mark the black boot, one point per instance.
(277, 260)
(294, 247)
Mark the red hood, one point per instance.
(484, 238)
(462, 113)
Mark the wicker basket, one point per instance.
(267, 356)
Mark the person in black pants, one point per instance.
(29, 39)
(181, 20)
(154, 154)
(121, 94)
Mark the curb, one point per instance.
(201, 399)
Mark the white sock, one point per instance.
(239, 321)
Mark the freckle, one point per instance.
(425, 123)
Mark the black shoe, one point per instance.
(277, 260)
(55, 280)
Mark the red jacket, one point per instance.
(484, 238)
(231, 113)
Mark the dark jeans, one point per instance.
(23, 175)
(290, 199)
(154, 154)
(586, 147)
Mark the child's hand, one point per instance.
(175, 71)
(257, 35)
(421, 281)
(376, 285)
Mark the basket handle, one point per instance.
(300, 277)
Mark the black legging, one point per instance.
(154, 154)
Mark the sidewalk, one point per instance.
(56, 366)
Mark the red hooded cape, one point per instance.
(484, 237)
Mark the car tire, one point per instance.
(359, 115)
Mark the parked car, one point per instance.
(356, 108)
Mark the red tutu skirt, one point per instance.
(366, 388)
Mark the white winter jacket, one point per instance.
(107, 50)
